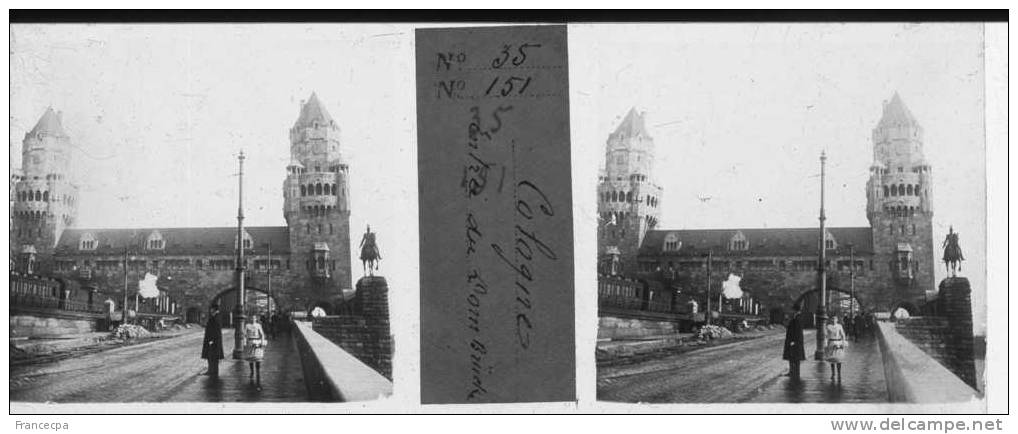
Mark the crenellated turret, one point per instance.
(316, 197)
(899, 200)
(628, 194)
(45, 201)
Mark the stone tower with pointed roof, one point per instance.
(45, 201)
(628, 194)
(899, 202)
(316, 200)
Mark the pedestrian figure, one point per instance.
(858, 326)
(273, 324)
(254, 348)
(794, 350)
(834, 347)
(212, 345)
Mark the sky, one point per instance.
(158, 113)
(741, 112)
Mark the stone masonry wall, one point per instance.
(955, 305)
(947, 337)
(365, 331)
(929, 334)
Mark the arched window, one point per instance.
(303, 190)
(615, 196)
(894, 190)
(155, 241)
(901, 189)
(916, 190)
(672, 242)
(334, 190)
(886, 191)
(629, 197)
(45, 196)
(738, 242)
(908, 189)
(87, 241)
(318, 188)
(331, 229)
(327, 189)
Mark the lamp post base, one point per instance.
(238, 336)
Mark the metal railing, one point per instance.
(635, 303)
(47, 302)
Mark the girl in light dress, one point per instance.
(254, 347)
(834, 349)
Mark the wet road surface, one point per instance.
(747, 371)
(862, 379)
(162, 371)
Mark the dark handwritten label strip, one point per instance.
(495, 215)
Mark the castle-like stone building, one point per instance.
(302, 265)
(890, 262)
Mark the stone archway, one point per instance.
(257, 301)
(908, 307)
(840, 303)
(325, 306)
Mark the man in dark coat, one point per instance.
(794, 350)
(212, 345)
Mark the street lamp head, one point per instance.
(823, 155)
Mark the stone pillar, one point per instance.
(955, 304)
(372, 304)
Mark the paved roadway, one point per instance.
(747, 371)
(167, 370)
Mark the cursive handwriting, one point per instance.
(525, 243)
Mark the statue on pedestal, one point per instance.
(952, 253)
(369, 252)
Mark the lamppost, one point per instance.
(821, 319)
(851, 280)
(268, 305)
(710, 257)
(124, 307)
(238, 310)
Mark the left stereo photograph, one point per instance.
(209, 212)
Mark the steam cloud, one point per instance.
(731, 287)
(147, 286)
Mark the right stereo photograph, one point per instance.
(788, 212)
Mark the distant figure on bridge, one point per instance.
(952, 253)
(212, 344)
(254, 348)
(369, 252)
(858, 326)
(834, 348)
(273, 324)
(794, 352)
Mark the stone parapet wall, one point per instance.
(332, 374)
(364, 332)
(913, 376)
